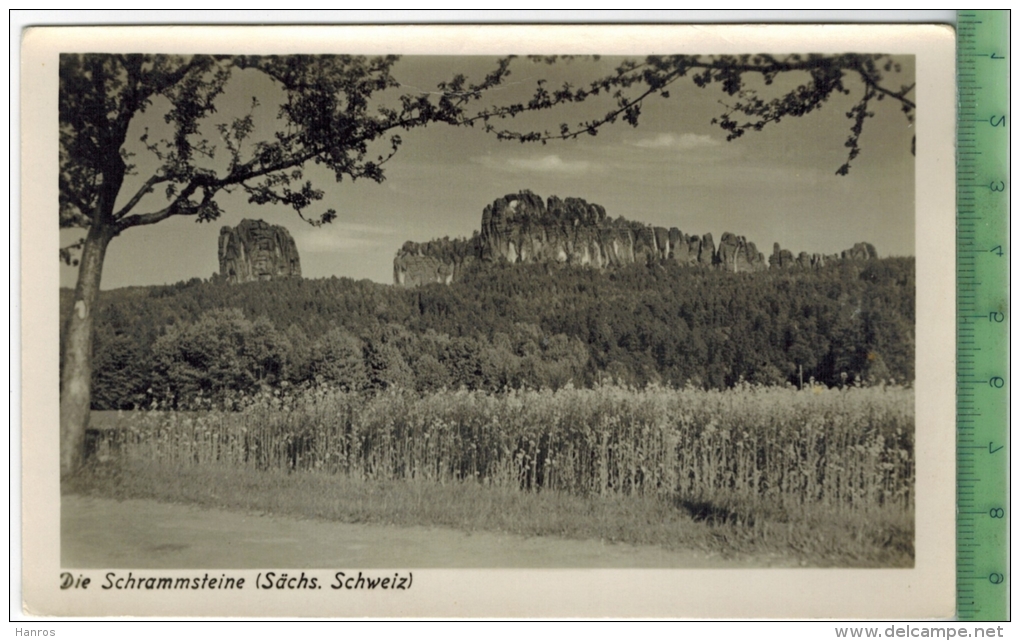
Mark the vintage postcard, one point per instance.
(489, 321)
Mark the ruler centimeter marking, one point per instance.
(982, 298)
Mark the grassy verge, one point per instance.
(814, 536)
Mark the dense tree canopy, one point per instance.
(509, 327)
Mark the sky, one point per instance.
(675, 169)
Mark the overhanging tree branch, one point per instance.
(145, 189)
(656, 73)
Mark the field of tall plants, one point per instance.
(733, 456)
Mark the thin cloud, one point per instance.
(342, 236)
(545, 164)
(682, 142)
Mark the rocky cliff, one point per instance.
(256, 250)
(437, 261)
(737, 254)
(522, 228)
(783, 258)
(860, 251)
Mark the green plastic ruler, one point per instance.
(982, 297)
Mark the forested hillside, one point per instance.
(508, 326)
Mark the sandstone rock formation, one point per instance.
(736, 254)
(706, 250)
(522, 228)
(860, 251)
(437, 261)
(784, 258)
(780, 257)
(256, 250)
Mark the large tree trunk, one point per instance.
(76, 374)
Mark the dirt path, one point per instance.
(105, 533)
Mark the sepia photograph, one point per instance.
(340, 321)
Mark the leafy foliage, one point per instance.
(634, 82)
(219, 353)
